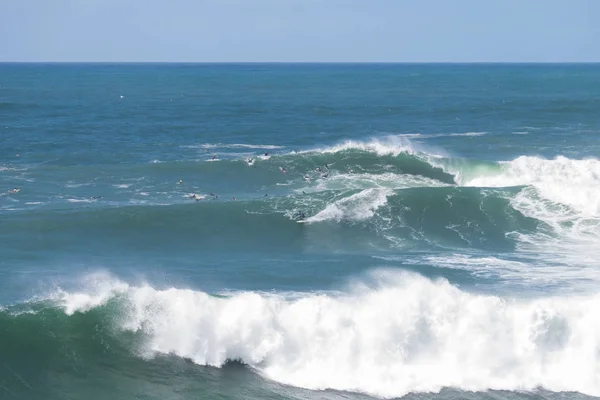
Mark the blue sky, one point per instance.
(300, 30)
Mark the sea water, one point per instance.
(274, 231)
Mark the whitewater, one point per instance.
(164, 237)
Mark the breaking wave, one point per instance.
(387, 335)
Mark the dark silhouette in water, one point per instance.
(299, 216)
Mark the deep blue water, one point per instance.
(299, 231)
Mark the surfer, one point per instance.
(214, 157)
(299, 216)
(282, 170)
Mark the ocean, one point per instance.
(299, 231)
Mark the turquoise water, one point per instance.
(299, 231)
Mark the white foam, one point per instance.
(510, 274)
(359, 206)
(389, 180)
(575, 237)
(97, 289)
(481, 266)
(471, 134)
(77, 185)
(575, 183)
(398, 334)
(390, 145)
(563, 193)
(79, 200)
(437, 135)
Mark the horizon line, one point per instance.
(304, 62)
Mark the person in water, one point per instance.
(299, 216)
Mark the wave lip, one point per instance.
(389, 145)
(572, 182)
(395, 154)
(563, 193)
(389, 335)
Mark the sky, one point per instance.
(300, 30)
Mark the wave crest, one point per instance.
(389, 335)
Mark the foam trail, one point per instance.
(358, 207)
(388, 180)
(470, 134)
(528, 274)
(394, 335)
(437, 135)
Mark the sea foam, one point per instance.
(357, 207)
(388, 335)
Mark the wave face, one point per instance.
(387, 335)
(371, 197)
